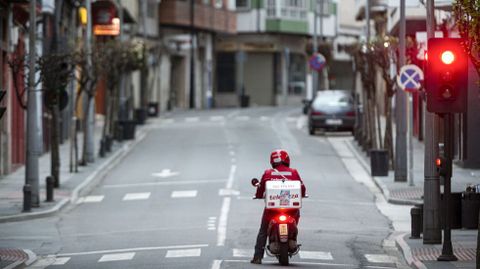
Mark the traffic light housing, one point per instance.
(446, 79)
(2, 107)
(441, 165)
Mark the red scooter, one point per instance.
(282, 234)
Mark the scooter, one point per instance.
(282, 234)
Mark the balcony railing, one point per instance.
(206, 17)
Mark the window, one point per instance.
(243, 4)
(226, 72)
(218, 3)
(287, 9)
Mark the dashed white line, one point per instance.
(379, 258)
(136, 196)
(242, 253)
(232, 153)
(217, 118)
(167, 121)
(316, 255)
(184, 194)
(263, 118)
(61, 261)
(192, 119)
(216, 264)
(93, 198)
(117, 257)
(242, 118)
(181, 253)
(231, 176)
(222, 224)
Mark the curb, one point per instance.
(380, 185)
(32, 257)
(407, 252)
(86, 185)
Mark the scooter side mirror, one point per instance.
(255, 182)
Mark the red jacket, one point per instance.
(271, 174)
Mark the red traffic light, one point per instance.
(448, 57)
(438, 162)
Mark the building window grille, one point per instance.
(287, 9)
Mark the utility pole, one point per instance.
(31, 188)
(367, 19)
(320, 36)
(400, 105)
(315, 50)
(90, 148)
(192, 54)
(432, 233)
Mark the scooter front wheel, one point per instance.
(283, 254)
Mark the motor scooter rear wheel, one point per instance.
(283, 255)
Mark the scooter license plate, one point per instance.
(283, 229)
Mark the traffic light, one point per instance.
(440, 163)
(446, 79)
(2, 108)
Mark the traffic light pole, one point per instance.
(432, 233)
(447, 249)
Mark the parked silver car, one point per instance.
(332, 110)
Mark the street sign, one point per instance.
(317, 62)
(410, 78)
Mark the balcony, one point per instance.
(206, 17)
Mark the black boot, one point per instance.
(256, 260)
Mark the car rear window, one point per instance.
(336, 100)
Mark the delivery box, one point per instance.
(283, 194)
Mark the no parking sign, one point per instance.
(410, 78)
(317, 62)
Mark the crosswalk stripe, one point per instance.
(93, 198)
(194, 252)
(380, 258)
(242, 252)
(192, 119)
(167, 121)
(217, 118)
(264, 118)
(136, 196)
(242, 118)
(61, 261)
(316, 255)
(117, 257)
(184, 194)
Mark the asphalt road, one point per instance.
(182, 199)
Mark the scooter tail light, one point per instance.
(282, 218)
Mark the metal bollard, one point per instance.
(416, 214)
(27, 198)
(50, 185)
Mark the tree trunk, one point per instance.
(388, 136)
(88, 123)
(55, 148)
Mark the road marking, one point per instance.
(232, 153)
(165, 173)
(217, 118)
(228, 192)
(301, 122)
(291, 119)
(222, 224)
(316, 255)
(130, 250)
(263, 118)
(234, 160)
(169, 183)
(93, 198)
(168, 121)
(192, 119)
(195, 252)
(216, 264)
(379, 258)
(117, 257)
(297, 262)
(184, 194)
(61, 261)
(242, 253)
(231, 176)
(136, 196)
(242, 118)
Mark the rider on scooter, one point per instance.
(281, 170)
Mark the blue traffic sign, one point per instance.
(410, 78)
(317, 62)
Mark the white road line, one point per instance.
(231, 176)
(379, 258)
(167, 121)
(212, 218)
(136, 196)
(216, 264)
(234, 160)
(192, 119)
(242, 118)
(263, 118)
(117, 257)
(316, 255)
(291, 119)
(181, 253)
(130, 250)
(222, 224)
(301, 122)
(184, 194)
(232, 153)
(93, 198)
(169, 183)
(217, 118)
(242, 253)
(61, 261)
(297, 262)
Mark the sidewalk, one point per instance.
(72, 185)
(416, 253)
